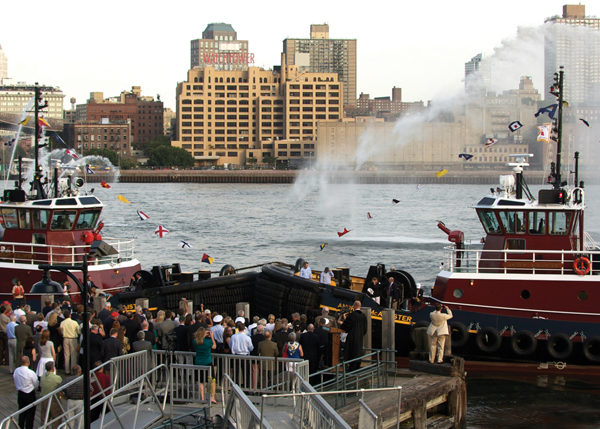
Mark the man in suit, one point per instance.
(438, 331)
(112, 346)
(96, 349)
(355, 324)
(325, 315)
(22, 332)
(310, 346)
(392, 293)
(142, 343)
(268, 348)
(164, 329)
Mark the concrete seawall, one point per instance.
(289, 176)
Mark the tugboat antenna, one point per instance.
(559, 80)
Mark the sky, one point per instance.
(110, 46)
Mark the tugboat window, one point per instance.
(537, 222)
(40, 219)
(24, 219)
(62, 220)
(87, 219)
(513, 222)
(559, 222)
(10, 218)
(489, 221)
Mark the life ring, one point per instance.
(591, 349)
(582, 265)
(227, 270)
(523, 343)
(459, 334)
(559, 346)
(488, 340)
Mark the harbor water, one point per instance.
(245, 224)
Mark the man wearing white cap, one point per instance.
(217, 330)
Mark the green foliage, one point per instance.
(112, 156)
(269, 160)
(167, 156)
(128, 164)
(156, 142)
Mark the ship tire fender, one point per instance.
(582, 266)
(591, 349)
(523, 343)
(560, 346)
(489, 340)
(227, 270)
(459, 334)
(298, 265)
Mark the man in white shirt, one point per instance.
(326, 276)
(241, 343)
(26, 383)
(305, 271)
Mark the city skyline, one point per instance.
(419, 47)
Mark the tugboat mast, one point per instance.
(557, 90)
(36, 184)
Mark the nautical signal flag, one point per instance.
(587, 124)
(185, 244)
(25, 121)
(43, 123)
(88, 170)
(322, 246)
(465, 156)
(544, 133)
(142, 215)
(56, 137)
(369, 216)
(123, 199)
(395, 201)
(344, 232)
(161, 231)
(550, 110)
(72, 153)
(207, 259)
(514, 126)
(491, 141)
(441, 173)
(104, 184)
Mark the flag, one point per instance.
(419, 186)
(56, 137)
(185, 244)
(395, 201)
(161, 231)
(441, 173)
(43, 123)
(369, 215)
(550, 110)
(322, 246)
(587, 124)
(514, 125)
(566, 103)
(123, 199)
(544, 133)
(88, 170)
(344, 232)
(72, 153)
(142, 215)
(207, 259)
(466, 156)
(25, 121)
(491, 141)
(104, 184)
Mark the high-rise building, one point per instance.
(3, 65)
(220, 49)
(248, 116)
(320, 54)
(478, 74)
(145, 113)
(573, 41)
(15, 98)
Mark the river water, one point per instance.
(245, 224)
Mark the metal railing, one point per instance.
(253, 374)
(190, 383)
(129, 367)
(35, 254)
(239, 411)
(508, 261)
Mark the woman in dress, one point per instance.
(203, 344)
(227, 333)
(56, 338)
(123, 339)
(47, 353)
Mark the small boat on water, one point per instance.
(54, 223)
(528, 292)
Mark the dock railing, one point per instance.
(240, 411)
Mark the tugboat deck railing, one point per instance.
(35, 254)
(509, 261)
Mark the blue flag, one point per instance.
(88, 169)
(550, 110)
(56, 137)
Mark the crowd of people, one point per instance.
(35, 345)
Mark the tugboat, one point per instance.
(532, 290)
(58, 230)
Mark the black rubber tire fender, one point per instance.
(459, 333)
(591, 349)
(488, 340)
(523, 343)
(559, 346)
(227, 270)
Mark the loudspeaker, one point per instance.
(100, 248)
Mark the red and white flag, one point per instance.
(72, 153)
(161, 231)
(142, 215)
(490, 142)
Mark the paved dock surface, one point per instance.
(8, 393)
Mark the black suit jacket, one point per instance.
(112, 348)
(96, 349)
